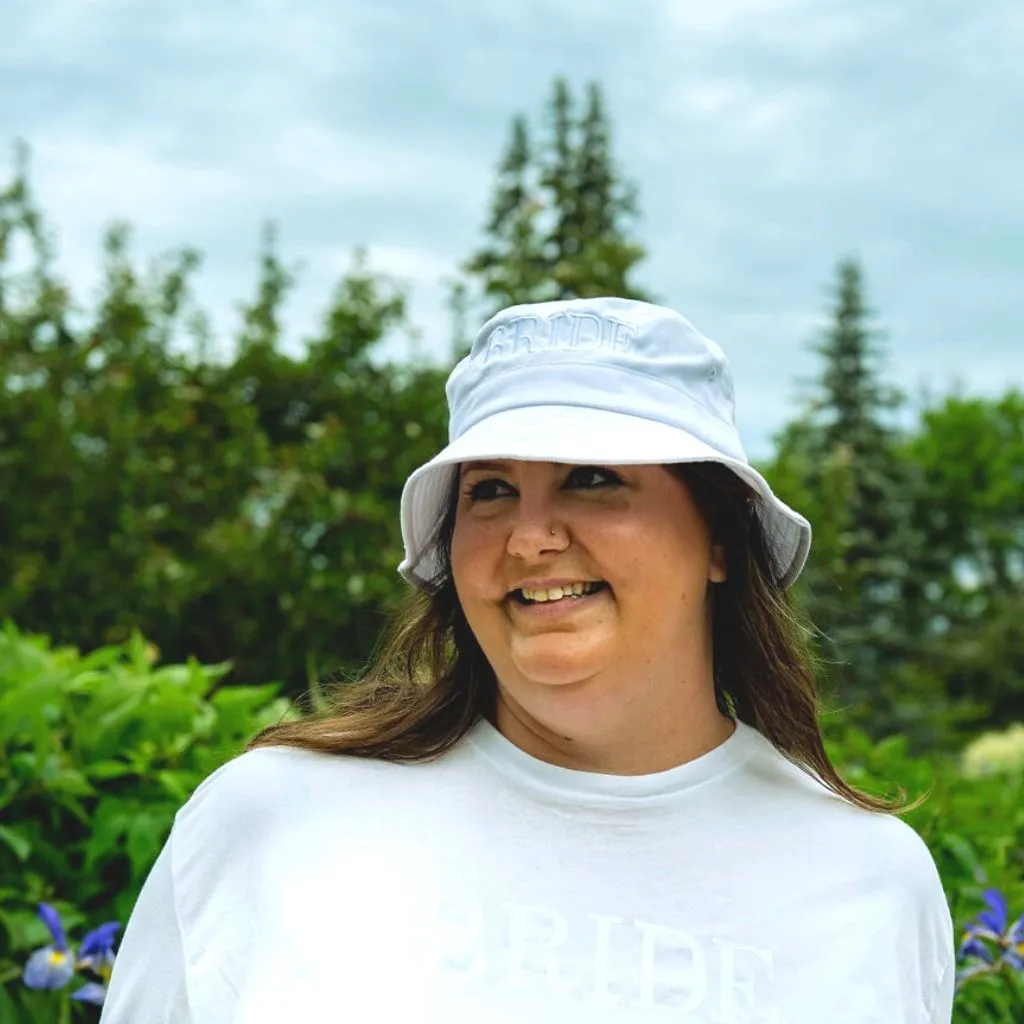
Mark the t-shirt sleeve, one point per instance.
(941, 1009)
(147, 985)
(936, 939)
(189, 942)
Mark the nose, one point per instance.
(536, 529)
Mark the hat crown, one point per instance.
(567, 341)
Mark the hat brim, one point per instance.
(579, 435)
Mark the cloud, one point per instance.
(804, 26)
(768, 139)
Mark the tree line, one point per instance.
(243, 509)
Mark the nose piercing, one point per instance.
(552, 532)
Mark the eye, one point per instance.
(488, 490)
(589, 477)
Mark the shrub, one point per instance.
(97, 753)
(974, 828)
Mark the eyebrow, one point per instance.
(467, 467)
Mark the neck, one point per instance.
(624, 749)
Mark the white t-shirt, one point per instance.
(488, 887)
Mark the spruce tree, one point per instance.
(864, 589)
(560, 213)
(604, 204)
(509, 268)
(852, 395)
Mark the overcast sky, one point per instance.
(768, 138)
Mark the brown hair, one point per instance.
(429, 681)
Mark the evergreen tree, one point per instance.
(559, 218)
(852, 395)
(865, 581)
(603, 205)
(510, 266)
(559, 178)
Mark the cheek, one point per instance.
(655, 565)
(472, 555)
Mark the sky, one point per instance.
(768, 139)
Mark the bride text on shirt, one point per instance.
(604, 959)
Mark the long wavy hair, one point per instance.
(429, 682)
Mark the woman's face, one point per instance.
(637, 639)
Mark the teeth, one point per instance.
(557, 593)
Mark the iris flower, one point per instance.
(55, 965)
(991, 928)
(96, 955)
(52, 966)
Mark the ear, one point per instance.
(717, 572)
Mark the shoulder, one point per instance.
(268, 813)
(267, 783)
(268, 791)
(831, 826)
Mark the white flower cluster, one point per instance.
(994, 753)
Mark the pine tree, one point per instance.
(558, 221)
(864, 585)
(510, 266)
(558, 177)
(852, 392)
(605, 203)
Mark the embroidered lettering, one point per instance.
(599, 959)
(542, 930)
(564, 331)
(730, 987)
(602, 958)
(653, 994)
(460, 933)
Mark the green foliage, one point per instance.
(971, 451)
(971, 454)
(558, 225)
(239, 510)
(869, 583)
(974, 828)
(917, 572)
(97, 753)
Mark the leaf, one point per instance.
(103, 770)
(147, 833)
(964, 854)
(19, 845)
(110, 823)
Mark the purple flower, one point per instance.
(97, 946)
(97, 956)
(91, 992)
(991, 928)
(52, 966)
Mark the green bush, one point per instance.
(97, 752)
(974, 828)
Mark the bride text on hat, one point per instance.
(562, 331)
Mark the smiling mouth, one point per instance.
(558, 594)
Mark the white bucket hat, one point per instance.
(603, 381)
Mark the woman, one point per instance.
(584, 779)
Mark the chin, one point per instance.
(560, 675)
(552, 664)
